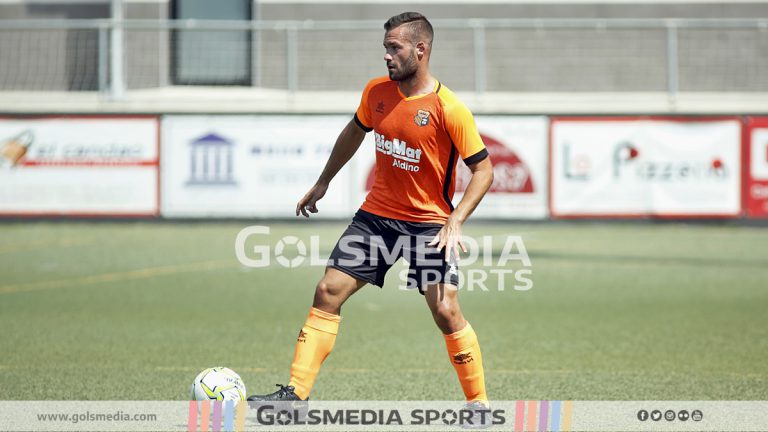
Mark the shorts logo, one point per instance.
(422, 118)
(462, 358)
(302, 337)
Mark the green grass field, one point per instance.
(125, 311)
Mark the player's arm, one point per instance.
(482, 178)
(346, 145)
(449, 236)
(460, 125)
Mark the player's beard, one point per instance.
(406, 70)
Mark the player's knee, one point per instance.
(448, 316)
(323, 290)
(327, 292)
(445, 313)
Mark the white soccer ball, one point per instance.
(218, 383)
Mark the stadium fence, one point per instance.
(115, 56)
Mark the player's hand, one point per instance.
(449, 238)
(310, 199)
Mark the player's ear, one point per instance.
(421, 49)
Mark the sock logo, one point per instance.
(302, 336)
(462, 358)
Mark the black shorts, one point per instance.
(371, 244)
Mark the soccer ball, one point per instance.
(218, 383)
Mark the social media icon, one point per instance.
(697, 415)
(642, 415)
(683, 415)
(655, 415)
(669, 415)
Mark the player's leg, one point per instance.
(438, 281)
(443, 302)
(460, 339)
(334, 289)
(350, 267)
(317, 336)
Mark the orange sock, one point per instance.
(315, 342)
(464, 352)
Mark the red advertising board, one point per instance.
(92, 166)
(756, 167)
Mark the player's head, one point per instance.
(408, 44)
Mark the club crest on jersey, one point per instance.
(422, 118)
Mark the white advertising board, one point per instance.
(249, 166)
(260, 166)
(86, 166)
(518, 148)
(645, 167)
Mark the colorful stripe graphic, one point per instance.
(216, 427)
(567, 415)
(205, 415)
(229, 415)
(233, 416)
(192, 421)
(240, 422)
(544, 416)
(555, 420)
(519, 415)
(531, 424)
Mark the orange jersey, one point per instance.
(418, 142)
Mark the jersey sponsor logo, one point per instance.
(403, 156)
(421, 118)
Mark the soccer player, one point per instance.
(421, 129)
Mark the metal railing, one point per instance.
(115, 56)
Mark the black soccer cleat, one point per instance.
(481, 416)
(284, 394)
(282, 401)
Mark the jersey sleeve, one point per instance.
(460, 126)
(363, 114)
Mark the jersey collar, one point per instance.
(435, 89)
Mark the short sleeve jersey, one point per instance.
(418, 142)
